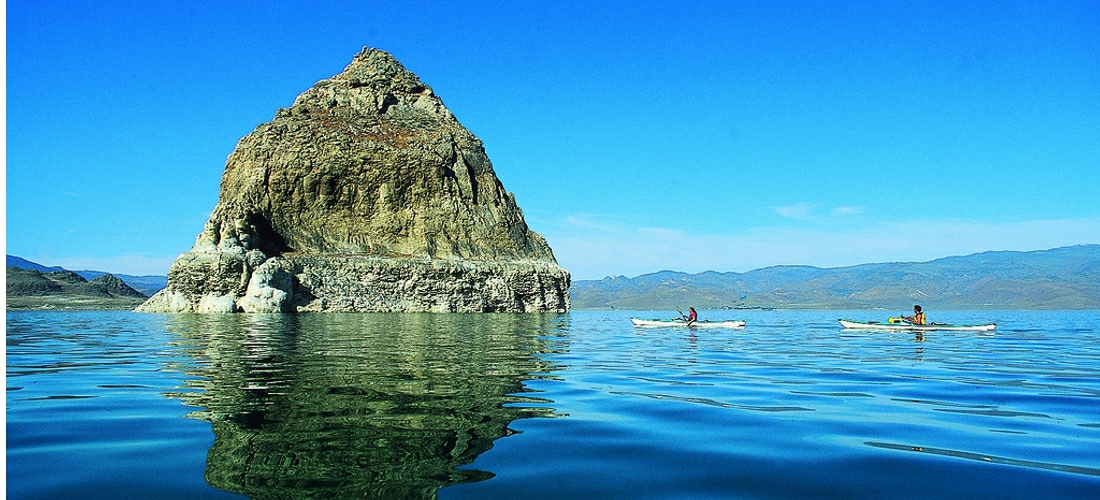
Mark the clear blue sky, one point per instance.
(637, 136)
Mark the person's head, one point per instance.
(916, 309)
(692, 309)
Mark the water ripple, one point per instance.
(711, 402)
(1088, 471)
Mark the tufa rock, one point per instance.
(365, 195)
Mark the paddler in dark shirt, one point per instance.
(917, 318)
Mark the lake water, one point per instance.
(582, 405)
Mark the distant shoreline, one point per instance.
(70, 303)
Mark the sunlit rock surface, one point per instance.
(365, 195)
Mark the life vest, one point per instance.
(918, 318)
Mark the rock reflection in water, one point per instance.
(377, 405)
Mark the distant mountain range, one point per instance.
(147, 285)
(1062, 278)
(22, 263)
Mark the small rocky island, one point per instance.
(366, 194)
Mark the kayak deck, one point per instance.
(907, 327)
(678, 322)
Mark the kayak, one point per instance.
(680, 322)
(705, 323)
(907, 327)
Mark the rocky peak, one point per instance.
(367, 164)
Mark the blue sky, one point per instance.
(637, 136)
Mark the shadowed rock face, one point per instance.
(365, 195)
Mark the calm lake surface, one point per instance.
(582, 405)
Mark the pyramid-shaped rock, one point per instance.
(365, 195)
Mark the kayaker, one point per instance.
(917, 318)
(691, 316)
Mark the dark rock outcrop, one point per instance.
(29, 283)
(365, 195)
(33, 289)
(112, 285)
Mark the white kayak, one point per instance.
(680, 322)
(909, 327)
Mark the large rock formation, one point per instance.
(365, 195)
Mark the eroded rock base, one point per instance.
(221, 283)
